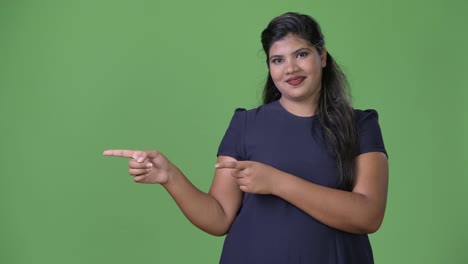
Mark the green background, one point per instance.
(78, 77)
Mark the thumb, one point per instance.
(155, 157)
(152, 154)
(140, 156)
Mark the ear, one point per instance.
(323, 57)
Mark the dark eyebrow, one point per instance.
(301, 49)
(294, 52)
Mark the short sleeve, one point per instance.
(369, 133)
(232, 144)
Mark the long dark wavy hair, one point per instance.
(334, 110)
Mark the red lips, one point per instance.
(295, 80)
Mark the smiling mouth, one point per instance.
(295, 81)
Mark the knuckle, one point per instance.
(154, 152)
(133, 163)
(139, 178)
(136, 172)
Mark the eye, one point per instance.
(302, 54)
(276, 60)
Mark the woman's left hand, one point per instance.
(251, 176)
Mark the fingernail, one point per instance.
(149, 165)
(140, 159)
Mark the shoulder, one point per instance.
(366, 118)
(369, 132)
(241, 123)
(365, 115)
(261, 108)
(252, 113)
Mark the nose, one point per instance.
(291, 66)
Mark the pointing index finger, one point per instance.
(119, 153)
(226, 165)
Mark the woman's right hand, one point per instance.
(145, 166)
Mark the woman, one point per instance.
(302, 178)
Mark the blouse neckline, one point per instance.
(283, 109)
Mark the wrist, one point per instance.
(171, 174)
(279, 181)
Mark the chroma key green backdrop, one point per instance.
(78, 77)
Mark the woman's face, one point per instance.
(296, 69)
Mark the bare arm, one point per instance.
(359, 211)
(213, 212)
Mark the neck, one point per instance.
(299, 108)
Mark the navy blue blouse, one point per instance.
(268, 229)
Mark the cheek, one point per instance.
(275, 73)
(313, 69)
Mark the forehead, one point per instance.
(289, 44)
